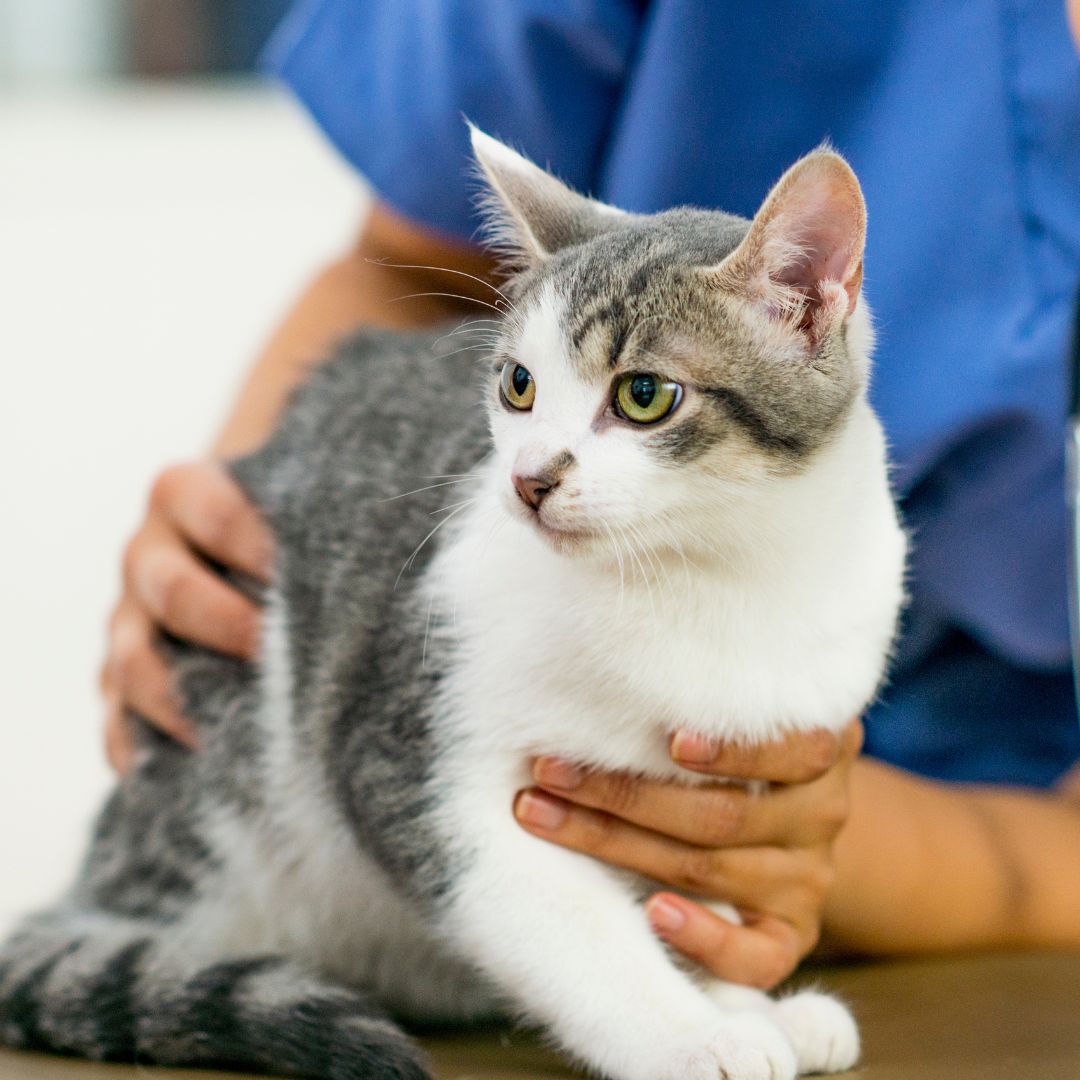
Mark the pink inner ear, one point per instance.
(819, 215)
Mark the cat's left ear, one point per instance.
(531, 214)
(801, 263)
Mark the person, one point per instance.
(958, 827)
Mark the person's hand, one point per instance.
(769, 854)
(196, 513)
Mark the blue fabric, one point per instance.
(963, 123)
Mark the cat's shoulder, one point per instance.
(373, 414)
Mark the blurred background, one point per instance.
(160, 203)
(67, 40)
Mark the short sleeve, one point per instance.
(392, 81)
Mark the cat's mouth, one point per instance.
(563, 539)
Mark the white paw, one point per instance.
(822, 1030)
(741, 1046)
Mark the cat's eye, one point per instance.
(518, 387)
(644, 398)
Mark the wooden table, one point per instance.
(972, 1018)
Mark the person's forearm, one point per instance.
(368, 286)
(928, 867)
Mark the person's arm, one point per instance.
(378, 282)
(931, 867)
(196, 512)
(880, 861)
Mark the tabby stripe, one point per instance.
(110, 1001)
(21, 1009)
(753, 423)
(209, 1011)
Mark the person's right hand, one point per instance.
(196, 513)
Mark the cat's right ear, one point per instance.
(530, 214)
(800, 265)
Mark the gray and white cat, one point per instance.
(670, 510)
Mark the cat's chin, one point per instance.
(564, 541)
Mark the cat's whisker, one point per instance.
(460, 273)
(657, 316)
(427, 630)
(631, 549)
(641, 549)
(706, 545)
(677, 546)
(451, 506)
(623, 558)
(473, 326)
(465, 349)
(500, 519)
(489, 328)
(448, 296)
(416, 551)
(619, 561)
(654, 559)
(429, 487)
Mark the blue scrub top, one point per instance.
(962, 121)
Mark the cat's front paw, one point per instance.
(823, 1032)
(741, 1046)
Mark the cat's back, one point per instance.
(386, 408)
(374, 451)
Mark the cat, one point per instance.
(649, 494)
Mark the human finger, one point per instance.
(797, 758)
(118, 743)
(194, 604)
(708, 815)
(136, 677)
(761, 954)
(136, 672)
(759, 879)
(212, 513)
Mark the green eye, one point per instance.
(645, 398)
(518, 388)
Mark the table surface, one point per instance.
(968, 1018)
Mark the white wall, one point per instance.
(59, 40)
(148, 240)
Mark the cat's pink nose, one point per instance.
(532, 490)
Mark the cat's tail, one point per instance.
(118, 990)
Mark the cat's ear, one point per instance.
(532, 215)
(801, 263)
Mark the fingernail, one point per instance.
(556, 773)
(664, 916)
(540, 810)
(693, 749)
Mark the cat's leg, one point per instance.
(565, 940)
(124, 990)
(822, 1030)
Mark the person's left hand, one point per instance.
(769, 855)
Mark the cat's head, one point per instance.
(654, 373)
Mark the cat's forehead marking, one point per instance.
(622, 284)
